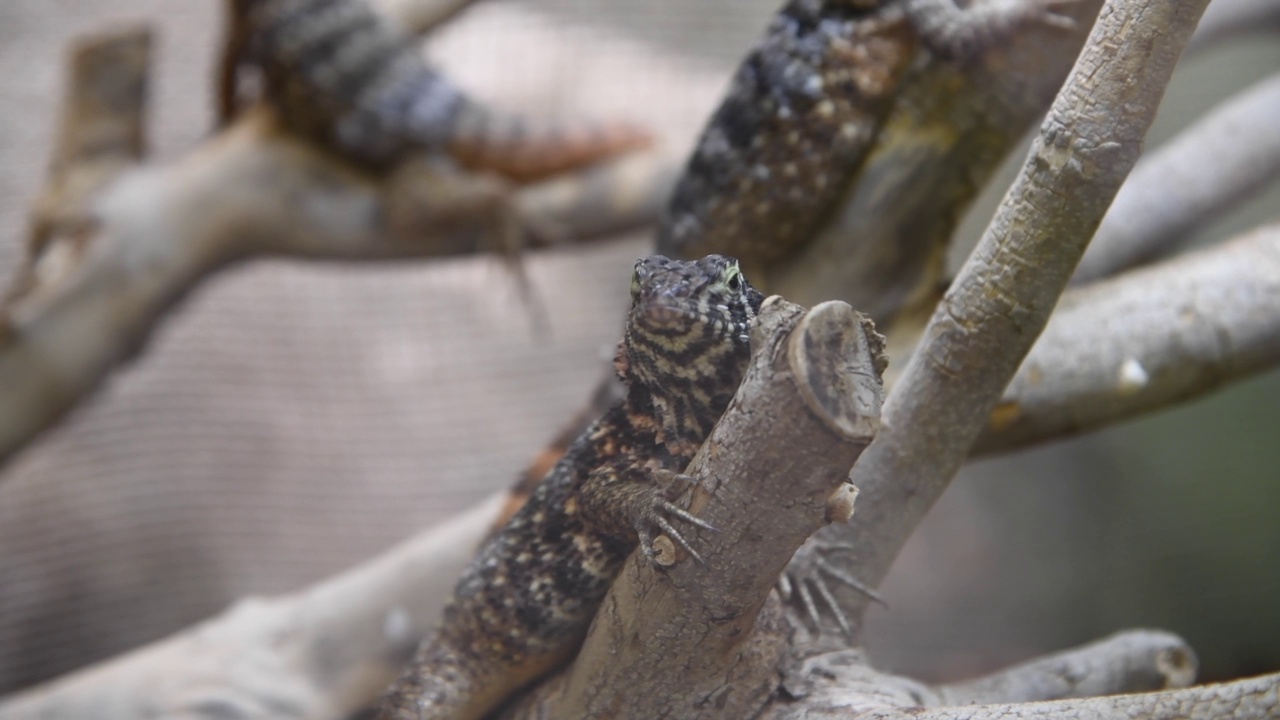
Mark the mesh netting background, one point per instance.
(291, 419)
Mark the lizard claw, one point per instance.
(673, 483)
(802, 589)
(807, 588)
(657, 519)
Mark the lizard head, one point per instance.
(689, 320)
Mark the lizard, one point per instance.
(341, 73)
(803, 110)
(523, 605)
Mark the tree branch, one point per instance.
(319, 654)
(1145, 340)
(1224, 159)
(605, 200)
(1225, 19)
(111, 258)
(1004, 294)
(1133, 661)
(843, 684)
(879, 696)
(1251, 699)
(685, 642)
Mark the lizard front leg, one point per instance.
(636, 503)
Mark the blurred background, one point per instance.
(292, 419)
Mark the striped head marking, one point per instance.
(689, 321)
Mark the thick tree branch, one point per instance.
(1224, 159)
(601, 201)
(684, 642)
(1004, 294)
(319, 654)
(1146, 340)
(1133, 661)
(1252, 699)
(842, 684)
(158, 231)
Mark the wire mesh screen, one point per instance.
(291, 419)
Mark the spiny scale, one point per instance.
(806, 106)
(800, 115)
(525, 602)
(345, 76)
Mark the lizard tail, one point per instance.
(459, 676)
(522, 152)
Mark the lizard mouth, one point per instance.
(658, 313)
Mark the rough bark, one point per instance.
(843, 684)
(117, 246)
(1133, 661)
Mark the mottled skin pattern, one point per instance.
(524, 604)
(345, 76)
(802, 112)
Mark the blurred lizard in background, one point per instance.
(345, 76)
(803, 111)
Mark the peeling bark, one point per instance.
(117, 246)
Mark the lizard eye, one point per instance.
(734, 279)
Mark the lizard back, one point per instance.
(525, 602)
(800, 115)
